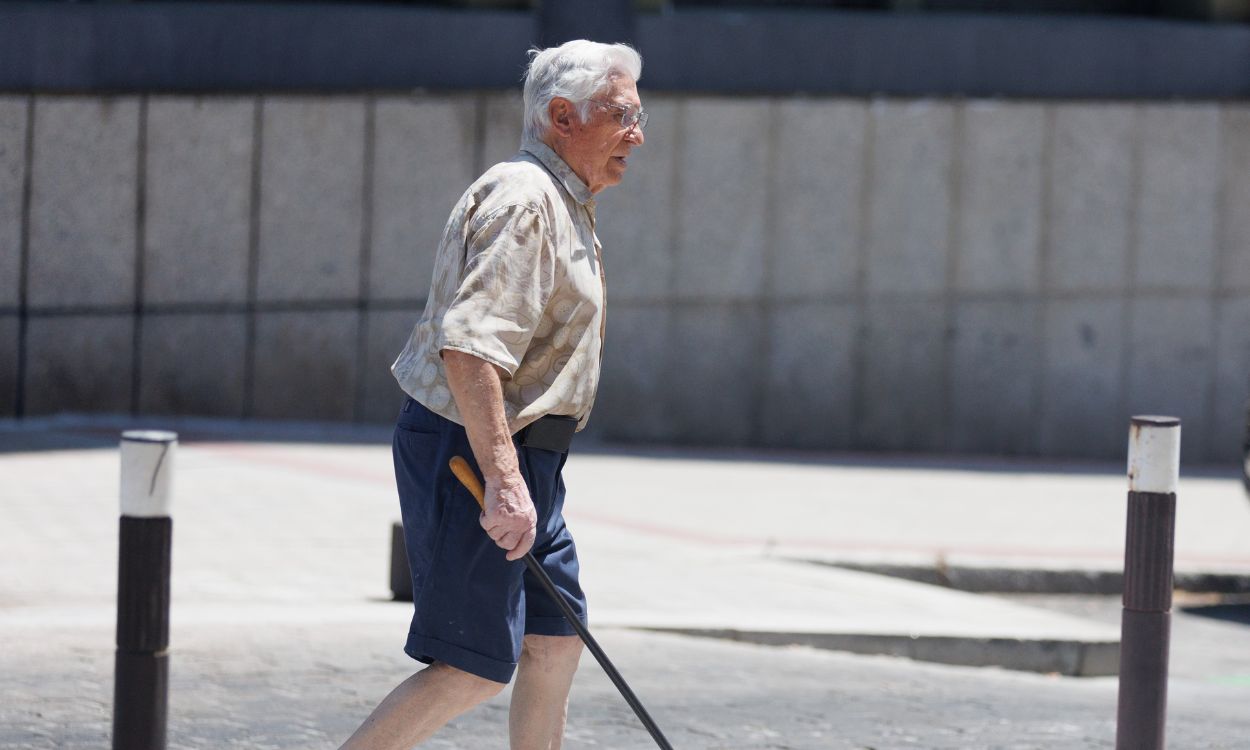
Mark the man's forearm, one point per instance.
(508, 513)
(478, 390)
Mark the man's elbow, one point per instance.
(465, 363)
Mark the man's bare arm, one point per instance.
(509, 517)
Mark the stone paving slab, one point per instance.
(727, 594)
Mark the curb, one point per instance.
(1064, 657)
(1006, 580)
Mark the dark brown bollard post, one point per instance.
(141, 669)
(1154, 454)
(401, 578)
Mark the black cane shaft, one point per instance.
(593, 646)
(1148, 551)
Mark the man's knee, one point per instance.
(552, 649)
(469, 687)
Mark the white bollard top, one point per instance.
(1154, 454)
(147, 466)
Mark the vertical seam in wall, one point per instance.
(859, 353)
(23, 284)
(954, 238)
(1211, 451)
(765, 307)
(366, 256)
(668, 428)
(141, 160)
(1033, 442)
(1130, 259)
(479, 132)
(253, 257)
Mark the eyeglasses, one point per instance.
(629, 116)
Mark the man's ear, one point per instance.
(562, 116)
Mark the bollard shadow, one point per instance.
(87, 432)
(595, 444)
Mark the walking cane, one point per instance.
(469, 479)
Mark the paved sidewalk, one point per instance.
(693, 542)
(280, 531)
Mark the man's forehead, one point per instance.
(623, 90)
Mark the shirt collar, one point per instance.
(561, 171)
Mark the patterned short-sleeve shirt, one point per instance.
(518, 282)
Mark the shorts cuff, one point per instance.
(549, 626)
(427, 650)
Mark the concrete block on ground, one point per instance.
(1235, 219)
(387, 333)
(713, 374)
(1178, 189)
(306, 365)
(1232, 378)
(79, 364)
(817, 191)
(998, 245)
(635, 220)
(810, 379)
(1082, 369)
(902, 386)
(1091, 197)
(503, 114)
(311, 198)
(197, 221)
(910, 208)
(83, 201)
(632, 403)
(993, 371)
(193, 364)
(8, 365)
(13, 117)
(422, 163)
(1171, 359)
(723, 250)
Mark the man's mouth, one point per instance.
(620, 159)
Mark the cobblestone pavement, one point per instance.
(306, 686)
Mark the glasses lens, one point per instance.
(629, 117)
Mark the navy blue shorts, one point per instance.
(472, 607)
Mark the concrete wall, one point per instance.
(908, 275)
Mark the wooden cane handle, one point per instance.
(469, 479)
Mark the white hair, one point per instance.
(576, 71)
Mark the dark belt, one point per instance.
(553, 432)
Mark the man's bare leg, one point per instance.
(540, 695)
(419, 707)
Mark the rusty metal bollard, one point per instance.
(1145, 628)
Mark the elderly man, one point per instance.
(502, 368)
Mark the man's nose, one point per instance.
(635, 135)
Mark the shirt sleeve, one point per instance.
(507, 281)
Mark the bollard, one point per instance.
(401, 577)
(141, 669)
(1154, 454)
